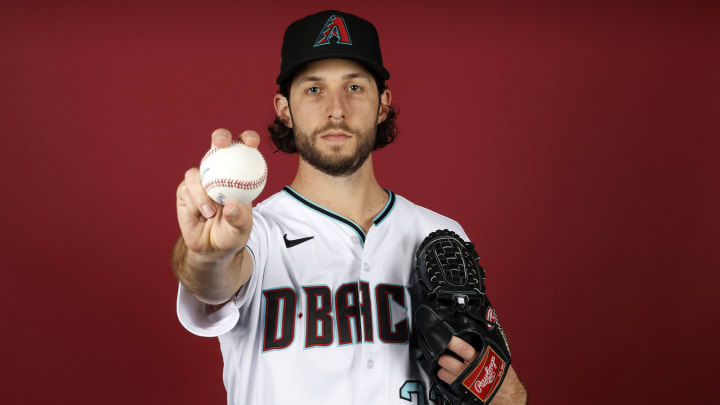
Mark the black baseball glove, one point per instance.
(450, 301)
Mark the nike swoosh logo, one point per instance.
(294, 242)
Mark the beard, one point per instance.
(333, 163)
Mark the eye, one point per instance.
(313, 90)
(354, 88)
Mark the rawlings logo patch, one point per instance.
(486, 376)
(334, 27)
(490, 316)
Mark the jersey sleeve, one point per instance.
(195, 316)
(428, 221)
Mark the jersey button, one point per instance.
(355, 239)
(370, 363)
(366, 267)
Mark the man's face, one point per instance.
(334, 106)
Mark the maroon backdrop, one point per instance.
(577, 145)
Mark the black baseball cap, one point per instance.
(330, 34)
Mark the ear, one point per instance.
(384, 108)
(282, 108)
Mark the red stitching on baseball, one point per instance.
(215, 149)
(240, 184)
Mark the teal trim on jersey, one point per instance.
(334, 215)
(387, 209)
(252, 253)
(379, 218)
(254, 265)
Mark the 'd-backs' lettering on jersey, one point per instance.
(321, 319)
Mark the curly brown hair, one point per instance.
(284, 138)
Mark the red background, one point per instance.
(576, 144)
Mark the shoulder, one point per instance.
(278, 205)
(272, 212)
(282, 211)
(272, 202)
(423, 219)
(407, 208)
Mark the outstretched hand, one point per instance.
(208, 228)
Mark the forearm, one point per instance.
(511, 392)
(212, 278)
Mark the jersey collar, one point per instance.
(334, 215)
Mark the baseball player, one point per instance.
(309, 291)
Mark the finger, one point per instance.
(189, 218)
(196, 194)
(250, 138)
(221, 138)
(462, 349)
(452, 365)
(446, 377)
(179, 193)
(233, 229)
(185, 200)
(237, 215)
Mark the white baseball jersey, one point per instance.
(325, 317)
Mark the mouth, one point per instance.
(335, 136)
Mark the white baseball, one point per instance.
(235, 173)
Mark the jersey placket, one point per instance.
(369, 369)
(367, 373)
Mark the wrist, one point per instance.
(211, 260)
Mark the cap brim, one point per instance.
(368, 63)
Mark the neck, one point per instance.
(357, 197)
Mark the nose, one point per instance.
(337, 106)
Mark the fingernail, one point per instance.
(232, 213)
(207, 211)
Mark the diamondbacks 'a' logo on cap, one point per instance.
(334, 27)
